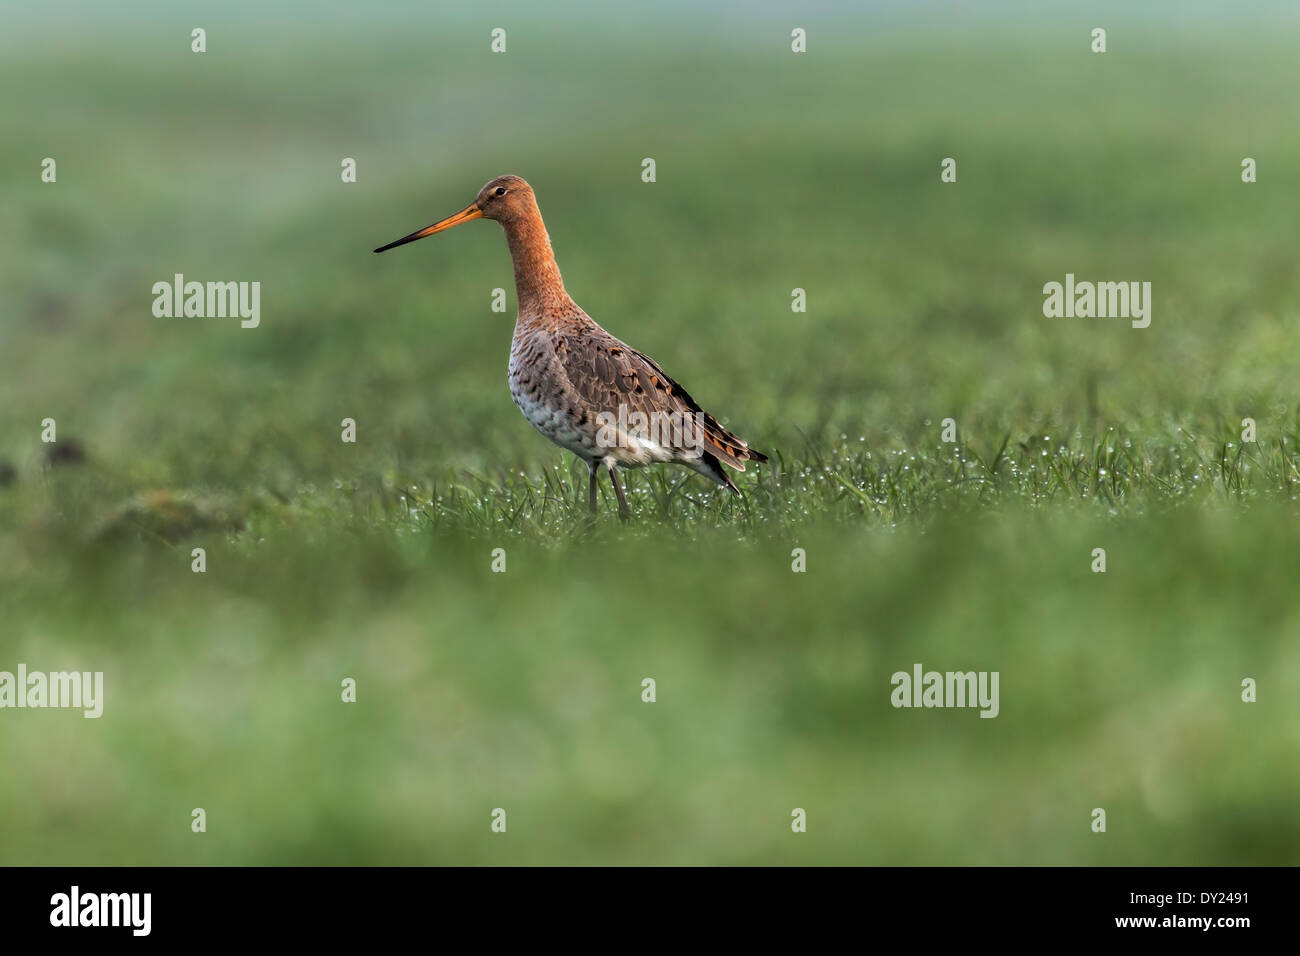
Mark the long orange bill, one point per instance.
(465, 215)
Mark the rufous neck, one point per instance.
(537, 277)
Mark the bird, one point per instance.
(587, 391)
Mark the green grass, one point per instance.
(522, 690)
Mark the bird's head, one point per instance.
(504, 199)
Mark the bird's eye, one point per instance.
(501, 190)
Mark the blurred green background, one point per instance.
(522, 690)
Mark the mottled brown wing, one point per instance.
(608, 373)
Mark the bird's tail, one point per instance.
(712, 468)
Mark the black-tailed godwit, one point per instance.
(578, 385)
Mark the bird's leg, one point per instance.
(623, 510)
(591, 488)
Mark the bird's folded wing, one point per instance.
(610, 376)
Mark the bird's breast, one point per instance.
(540, 390)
